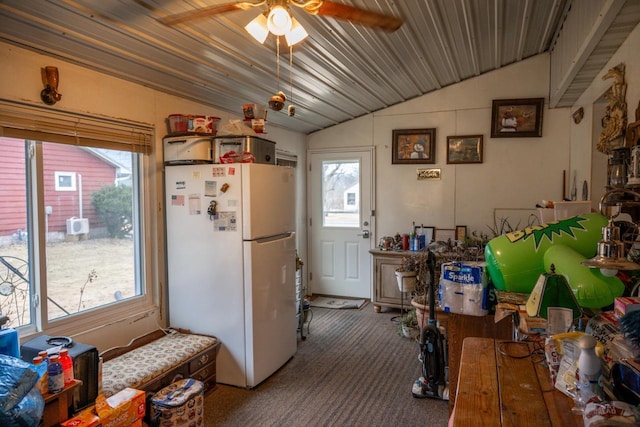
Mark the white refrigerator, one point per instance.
(231, 263)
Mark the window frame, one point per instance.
(141, 305)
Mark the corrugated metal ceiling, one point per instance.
(342, 71)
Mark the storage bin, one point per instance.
(181, 150)
(262, 149)
(564, 210)
(178, 404)
(178, 123)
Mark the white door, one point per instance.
(340, 197)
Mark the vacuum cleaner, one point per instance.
(432, 383)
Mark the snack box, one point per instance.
(122, 409)
(623, 305)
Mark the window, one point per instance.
(340, 189)
(65, 181)
(71, 226)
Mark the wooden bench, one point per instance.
(158, 359)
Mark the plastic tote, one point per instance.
(178, 404)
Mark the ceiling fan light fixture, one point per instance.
(258, 28)
(279, 21)
(296, 34)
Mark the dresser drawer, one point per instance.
(207, 371)
(201, 360)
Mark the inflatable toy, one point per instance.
(516, 260)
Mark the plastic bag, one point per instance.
(236, 128)
(17, 378)
(21, 402)
(27, 413)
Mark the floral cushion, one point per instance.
(144, 364)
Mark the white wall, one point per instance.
(516, 172)
(87, 91)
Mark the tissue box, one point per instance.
(86, 418)
(623, 305)
(122, 409)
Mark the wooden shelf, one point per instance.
(56, 408)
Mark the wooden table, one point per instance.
(510, 389)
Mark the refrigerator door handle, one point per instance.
(272, 238)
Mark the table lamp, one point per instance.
(551, 290)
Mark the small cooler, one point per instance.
(180, 403)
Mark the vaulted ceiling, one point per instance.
(341, 71)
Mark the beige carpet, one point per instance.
(351, 370)
(330, 302)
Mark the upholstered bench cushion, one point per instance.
(144, 364)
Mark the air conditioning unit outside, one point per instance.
(77, 226)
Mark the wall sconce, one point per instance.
(50, 78)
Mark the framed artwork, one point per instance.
(461, 232)
(413, 146)
(516, 118)
(464, 149)
(428, 232)
(444, 234)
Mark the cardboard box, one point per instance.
(86, 418)
(122, 409)
(624, 305)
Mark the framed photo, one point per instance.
(461, 232)
(464, 149)
(428, 232)
(413, 146)
(516, 118)
(444, 234)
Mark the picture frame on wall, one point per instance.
(516, 118)
(461, 232)
(413, 146)
(427, 231)
(445, 234)
(464, 149)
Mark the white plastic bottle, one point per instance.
(589, 366)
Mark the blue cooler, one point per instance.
(179, 404)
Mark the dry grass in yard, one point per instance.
(69, 266)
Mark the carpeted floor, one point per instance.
(352, 370)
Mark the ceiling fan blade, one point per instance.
(204, 12)
(357, 15)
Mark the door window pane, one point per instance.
(341, 193)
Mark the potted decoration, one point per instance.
(408, 325)
(412, 273)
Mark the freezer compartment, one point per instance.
(262, 149)
(186, 150)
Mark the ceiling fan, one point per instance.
(331, 9)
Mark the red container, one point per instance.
(178, 123)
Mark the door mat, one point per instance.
(329, 302)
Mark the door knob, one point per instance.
(364, 234)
